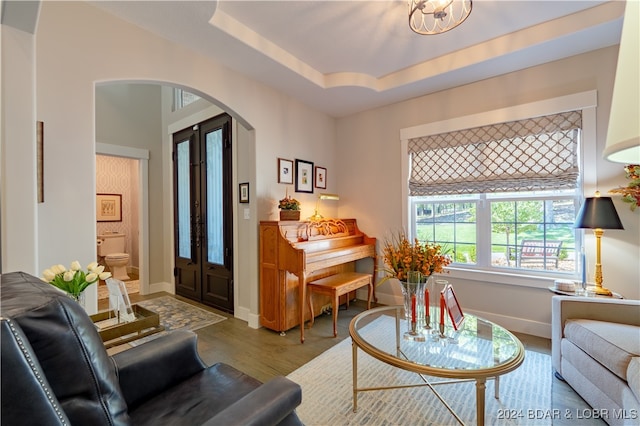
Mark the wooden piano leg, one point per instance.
(336, 306)
(311, 321)
(302, 293)
(373, 278)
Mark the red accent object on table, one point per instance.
(413, 308)
(441, 309)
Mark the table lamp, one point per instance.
(317, 216)
(598, 213)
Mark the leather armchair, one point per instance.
(55, 370)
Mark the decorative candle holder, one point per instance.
(426, 327)
(435, 287)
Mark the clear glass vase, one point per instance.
(413, 291)
(80, 298)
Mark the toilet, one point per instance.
(111, 250)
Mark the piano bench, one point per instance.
(335, 286)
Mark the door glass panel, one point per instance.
(215, 212)
(184, 200)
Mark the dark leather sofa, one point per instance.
(55, 370)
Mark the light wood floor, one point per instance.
(265, 354)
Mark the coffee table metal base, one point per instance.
(480, 380)
(480, 389)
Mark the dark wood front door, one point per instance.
(203, 213)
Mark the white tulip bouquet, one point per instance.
(74, 280)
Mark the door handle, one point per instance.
(198, 230)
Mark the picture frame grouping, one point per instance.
(304, 174)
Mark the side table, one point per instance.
(576, 294)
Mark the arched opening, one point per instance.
(136, 119)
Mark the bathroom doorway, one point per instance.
(119, 177)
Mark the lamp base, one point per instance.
(601, 291)
(317, 217)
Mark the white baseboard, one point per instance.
(519, 325)
(389, 299)
(161, 286)
(245, 314)
(242, 313)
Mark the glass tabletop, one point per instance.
(479, 348)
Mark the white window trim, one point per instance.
(585, 101)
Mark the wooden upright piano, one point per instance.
(293, 253)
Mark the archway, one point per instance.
(121, 109)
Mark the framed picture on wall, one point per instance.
(109, 207)
(304, 176)
(244, 192)
(321, 178)
(285, 171)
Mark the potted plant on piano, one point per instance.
(289, 208)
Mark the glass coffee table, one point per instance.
(479, 351)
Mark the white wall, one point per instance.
(373, 137)
(245, 235)
(18, 207)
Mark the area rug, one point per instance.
(327, 393)
(177, 315)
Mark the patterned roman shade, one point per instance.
(534, 154)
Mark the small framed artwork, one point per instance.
(285, 171)
(119, 300)
(109, 207)
(453, 307)
(304, 176)
(321, 178)
(244, 192)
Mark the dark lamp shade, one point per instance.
(598, 212)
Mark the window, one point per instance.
(521, 231)
(450, 222)
(183, 98)
(502, 196)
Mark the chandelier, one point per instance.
(430, 17)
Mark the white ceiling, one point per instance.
(342, 57)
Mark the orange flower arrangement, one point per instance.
(630, 193)
(401, 256)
